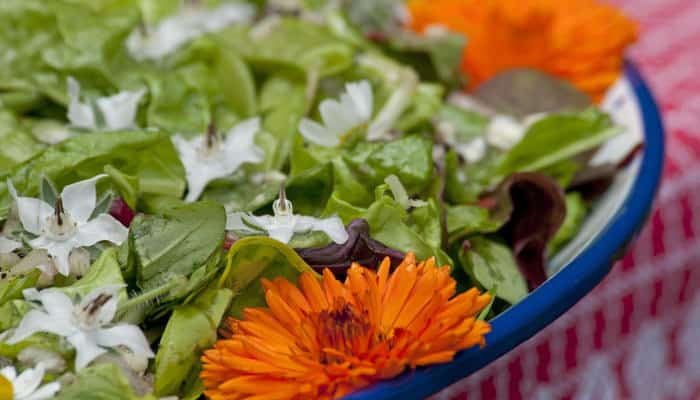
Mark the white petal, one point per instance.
(9, 372)
(59, 252)
(281, 233)
(316, 133)
(504, 132)
(28, 381)
(474, 151)
(362, 97)
(240, 145)
(79, 198)
(8, 245)
(86, 349)
(103, 228)
(32, 212)
(179, 29)
(56, 303)
(235, 222)
(106, 312)
(119, 111)
(338, 120)
(38, 321)
(45, 392)
(79, 114)
(129, 336)
(333, 227)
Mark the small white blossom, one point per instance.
(206, 159)
(473, 151)
(504, 132)
(87, 324)
(8, 245)
(340, 117)
(27, 385)
(68, 226)
(117, 111)
(284, 224)
(171, 33)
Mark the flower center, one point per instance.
(6, 389)
(60, 225)
(212, 144)
(87, 315)
(282, 207)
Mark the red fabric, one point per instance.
(637, 335)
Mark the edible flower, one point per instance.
(118, 111)
(284, 223)
(69, 223)
(8, 245)
(325, 339)
(87, 324)
(582, 41)
(207, 157)
(340, 117)
(154, 43)
(27, 385)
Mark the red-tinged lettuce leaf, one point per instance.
(533, 208)
(521, 92)
(360, 248)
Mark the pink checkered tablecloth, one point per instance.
(637, 335)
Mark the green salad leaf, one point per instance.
(100, 381)
(491, 265)
(251, 259)
(184, 241)
(191, 329)
(563, 135)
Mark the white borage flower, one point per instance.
(154, 43)
(284, 224)
(340, 117)
(504, 132)
(27, 385)
(87, 324)
(207, 158)
(400, 194)
(8, 245)
(67, 225)
(117, 111)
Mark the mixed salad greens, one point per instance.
(157, 158)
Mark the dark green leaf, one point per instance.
(491, 264)
(191, 329)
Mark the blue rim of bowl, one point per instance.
(561, 291)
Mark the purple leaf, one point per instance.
(532, 207)
(360, 248)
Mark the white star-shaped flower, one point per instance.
(206, 158)
(27, 385)
(117, 111)
(284, 224)
(156, 42)
(340, 117)
(87, 324)
(8, 245)
(68, 225)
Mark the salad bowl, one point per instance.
(611, 226)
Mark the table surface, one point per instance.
(636, 335)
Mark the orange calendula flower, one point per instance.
(581, 41)
(325, 339)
